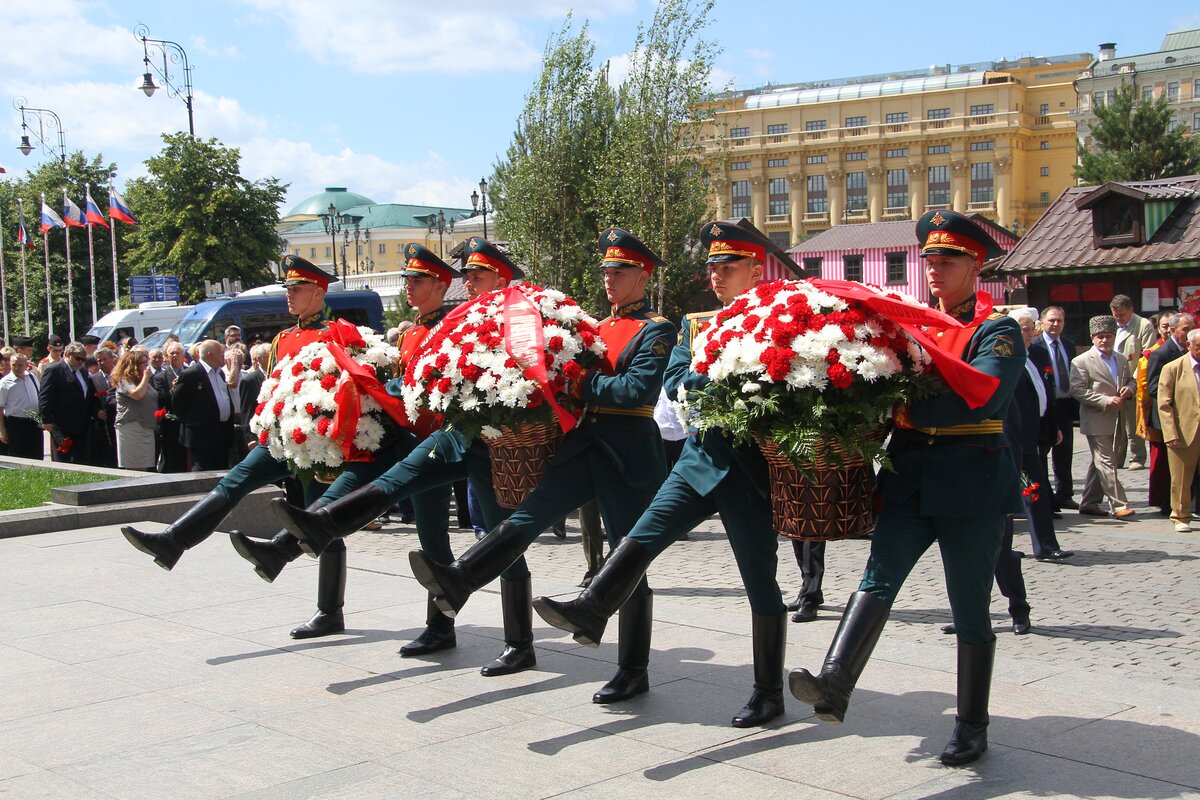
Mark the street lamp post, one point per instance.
(46, 119)
(173, 52)
(332, 222)
(479, 202)
(442, 226)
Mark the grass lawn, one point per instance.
(27, 488)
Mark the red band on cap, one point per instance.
(623, 256)
(720, 247)
(483, 262)
(945, 240)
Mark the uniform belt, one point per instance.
(640, 411)
(970, 429)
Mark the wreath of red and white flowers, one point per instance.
(788, 361)
(297, 417)
(470, 372)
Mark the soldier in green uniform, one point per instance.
(440, 460)
(306, 285)
(954, 482)
(615, 455)
(711, 476)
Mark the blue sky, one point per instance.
(413, 101)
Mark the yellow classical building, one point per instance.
(995, 138)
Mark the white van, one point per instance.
(138, 322)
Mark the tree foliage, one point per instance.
(200, 219)
(586, 155)
(1136, 141)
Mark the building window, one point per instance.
(777, 130)
(900, 152)
(1097, 99)
(815, 125)
(897, 188)
(740, 192)
(312, 252)
(1196, 89)
(1044, 110)
(739, 165)
(855, 122)
(777, 162)
(739, 133)
(777, 196)
(897, 267)
(815, 159)
(896, 118)
(981, 182)
(1044, 145)
(818, 194)
(812, 267)
(937, 149)
(939, 187)
(853, 267)
(382, 249)
(1196, 121)
(1173, 91)
(938, 113)
(327, 252)
(856, 192)
(983, 110)
(1044, 197)
(1044, 172)
(1147, 93)
(781, 239)
(983, 146)
(860, 156)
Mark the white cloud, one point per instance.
(719, 79)
(52, 37)
(201, 46)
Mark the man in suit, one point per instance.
(1134, 336)
(104, 433)
(1102, 382)
(1179, 412)
(1173, 347)
(205, 408)
(249, 385)
(68, 406)
(172, 455)
(1055, 350)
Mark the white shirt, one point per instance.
(1060, 380)
(18, 396)
(216, 377)
(1038, 386)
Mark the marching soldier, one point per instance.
(710, 476)
(954, 482)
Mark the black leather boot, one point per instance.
(438, 633)
(766, 703)
(316, 530)
(586, 616)
(270, 557)
(452, 584)
(635, 621)
(196, 525)
(829, 692)
(518, 655)
(331, 596)
(974, 688)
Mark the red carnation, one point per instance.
(315, 364)
(427, 372)
(277, 374)
(297, 368)
(323, 425)
(832, 357)
(778, 360)
(262, 437)
(555, 344)
(298, 436)
(160, 413)
(471, 372)
(258, 409)
(328, 382)
(587, 338)
(277, 409)
(442, 361)
(311, 409)
(572, 370)
(298, 385)
(443, 385)
(839, 376)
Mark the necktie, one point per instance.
(1063, 372)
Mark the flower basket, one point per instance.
(831, 498)
(519, 458)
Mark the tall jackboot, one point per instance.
(518, 655)
(269, 558)
(438, 633)
(586, 616)
(196, 525)
(452, 584)
(634, 623)
(331, 596)
(316, 530)
(770, 640)
(829, 692)
(974, 688)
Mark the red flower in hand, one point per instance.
(162, 412)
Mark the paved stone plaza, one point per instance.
(124, 681)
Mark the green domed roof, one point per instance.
(319, 203)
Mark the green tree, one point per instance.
(1135, 140)
(200, 219)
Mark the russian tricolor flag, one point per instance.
(23, 234)
(50, 219)
(94, 217)
(72, 214)
(118, 210)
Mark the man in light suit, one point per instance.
(1174, 346)
(1179, 412)
(1134, 336)
(1102, 382)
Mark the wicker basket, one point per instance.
(835, 502)
(518, 460)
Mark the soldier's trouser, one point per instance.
(746, 515)
(567, 486)
(257, 469)
(970, 547)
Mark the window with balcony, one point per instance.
(855, 122)
(856, 192)
(815, 125)
(982, 188)
(1044, 197)
(1044, 110)
(937, 149)
(777, 197)
(983, 109)
(897, 188)
(812, 266)
(899, 152)
(859, 156)
(983, 146)
(937, 113)
(739, 165)
(817, 191)
(815, 159)
(896, 118)
(739, 133)
(777, 162)
(777, 130)
(897, 268)
(852, 267)
(740, 197)
(939, 187)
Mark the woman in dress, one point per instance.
(136, 405)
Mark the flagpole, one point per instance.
(46, 261)
(70, 283)
(112, 229)
(3, 282)
(21, 247)
(91, 256)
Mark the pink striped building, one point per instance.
(882, 253)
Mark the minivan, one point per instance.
(262, 312)
(138, 322)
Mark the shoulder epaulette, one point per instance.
(996, 315)
(656, 317)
